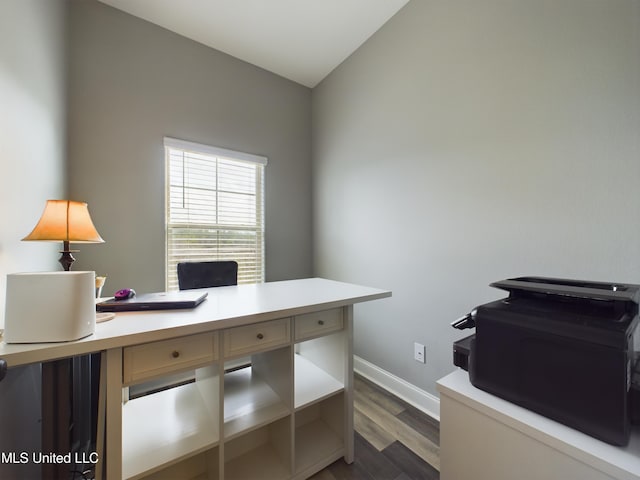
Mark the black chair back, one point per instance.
(207, 274)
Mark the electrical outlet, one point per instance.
(419, 353)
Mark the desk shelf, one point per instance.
(319, 435)
(203, 466)
(285, 416)
(262, 453)
(249, 403)
(165, 428)
(312, 384)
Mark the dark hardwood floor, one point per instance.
(393, 440)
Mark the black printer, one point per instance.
(566, 349)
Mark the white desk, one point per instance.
(483, 437)
(287, 416)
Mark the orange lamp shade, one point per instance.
(67, 221)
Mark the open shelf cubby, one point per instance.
(319, 434)
(203, 466)
(166, 427)
(258, 394)
(262, 453)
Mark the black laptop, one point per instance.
(154, 301)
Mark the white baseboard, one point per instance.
(423, 401)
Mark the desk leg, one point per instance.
(100, 427)
(113, 426)
(348, 386)
(56, 415)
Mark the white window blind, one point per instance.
(215, 208)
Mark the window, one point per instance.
(215, 208)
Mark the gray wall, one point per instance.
(32, 129)
(131, 83)
(32, 139)
(467, 142)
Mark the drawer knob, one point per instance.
(260, 336)
(320, 322)
(175, 354)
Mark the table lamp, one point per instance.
(66, 221)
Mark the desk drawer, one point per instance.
(150, 360)
(317, 324)
(256, 337)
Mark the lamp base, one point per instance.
(66, 259)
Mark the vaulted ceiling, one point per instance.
(302, 40)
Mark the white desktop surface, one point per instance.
(616, 462)
(224, 307)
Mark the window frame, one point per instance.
(218, 154)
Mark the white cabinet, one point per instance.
(287, 415)
(486, 437)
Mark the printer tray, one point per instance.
(461, 351)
